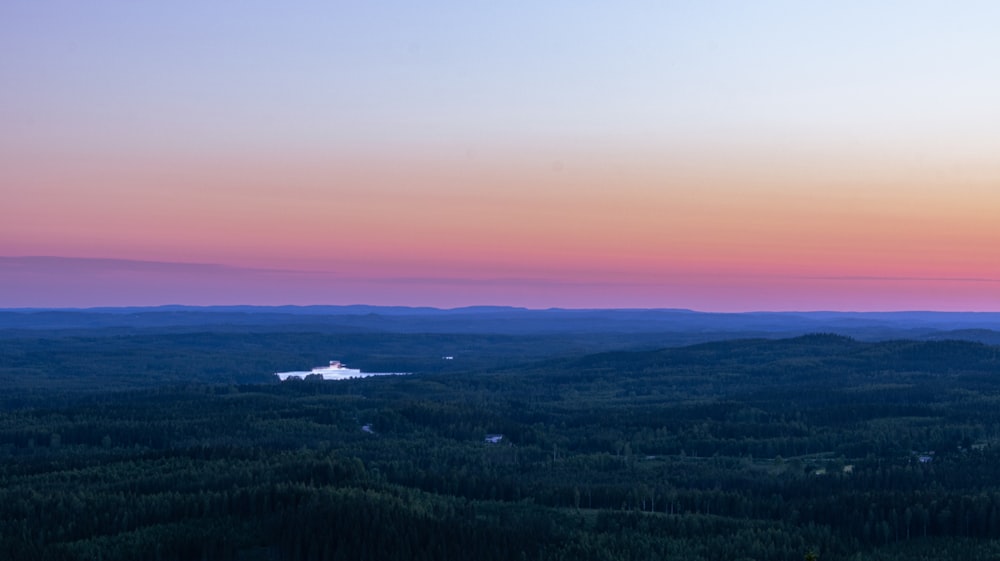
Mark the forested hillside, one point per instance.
(515, 449)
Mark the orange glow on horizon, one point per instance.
(578, 220)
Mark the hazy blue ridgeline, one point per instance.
(697, 326)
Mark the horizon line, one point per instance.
(210, 307)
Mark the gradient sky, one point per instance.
(765, 155)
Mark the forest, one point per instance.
(167, 445)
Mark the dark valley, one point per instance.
(141, 436)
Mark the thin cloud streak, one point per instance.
(904, 279)
(105, 266)
(39, 281)
(57, 264)
(101, 265)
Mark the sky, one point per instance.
(711, 155)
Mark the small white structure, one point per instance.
(493, 438)
(335, 371)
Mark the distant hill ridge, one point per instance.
(688, 326)
(778, 359)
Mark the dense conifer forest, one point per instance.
(177, 446)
